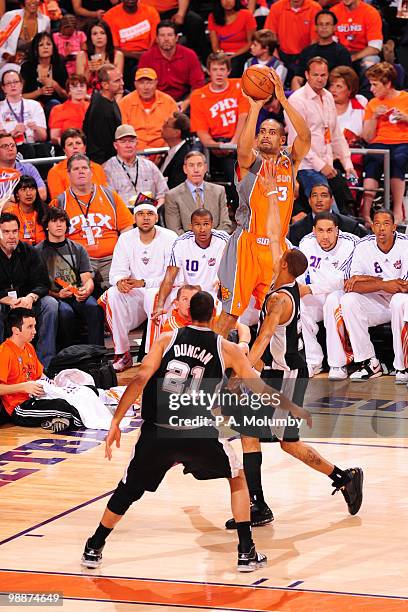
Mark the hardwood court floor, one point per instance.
(171, 550)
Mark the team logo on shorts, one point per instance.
(397, 265)
(145, 260)
(212, 261)
(225, 293)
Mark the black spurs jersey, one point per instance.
(286, 348)
(192, 367)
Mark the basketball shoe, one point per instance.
(261, 514)
(250, 561)
(371, 368)
(352, 490)
(92, 557)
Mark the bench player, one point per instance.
(263, 214)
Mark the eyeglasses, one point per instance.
(11, 145)
(12, 83)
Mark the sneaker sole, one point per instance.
(337, 377)
(377, 375)
(360, 499)
(90, 564)
(251, 567)
(397, 382)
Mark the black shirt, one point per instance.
(335, 54)
(31, 83)
(23, 272)
(101, 120)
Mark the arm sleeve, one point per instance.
(374, 27)
(39, 275)
(84, 263)
(272, 20)
(160, 183)
(344, 58)
(211, 23)
(225, 222)
(312, 157)
(358, 262)
(197, 114)
(175, 256)
(39, 116)
(120, 267)
(196, 74)
(55, 184)
(172, 214)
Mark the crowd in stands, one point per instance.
(143, 98)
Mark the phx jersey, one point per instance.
(192, 362)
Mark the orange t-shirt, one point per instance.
(133, 31)
(233, 36)
(217, 112)
(389, 131)
(147, 119)
(162, 5)
(175, 321)
(58, 180)
(295, 30)
(68, 115)
(17, 365)
(357, 27)
(104, 220)
(30, 230)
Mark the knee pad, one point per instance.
(123, 498)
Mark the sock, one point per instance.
(252, 469)
(339, 477)
(99, 537)
(244, 536)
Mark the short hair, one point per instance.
(280, 124)
(182, 123)
(16, 316)
(72, 133)
(202, 306)
(187, 288)
(316, 60)
(75, 79)
(266, 39)
(103, 73)
(8, 217)
(219, 58)
(78, 157)
(329, 189)
(194, 153)
(297, 262)
(383, 72)
(53, 213)
(201, 212)
(349, 76)
(9, 72)
(166, 23)
(382, 211)
(4, 134)
(326, 12)
(325, 216)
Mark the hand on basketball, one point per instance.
(256, 104)
(279, 91)
(113, 436)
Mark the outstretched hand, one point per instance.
(267, 180)
(113, 436)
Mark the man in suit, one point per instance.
(195, 193)
(175, 131)
(321, 200)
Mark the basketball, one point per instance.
(256, 83)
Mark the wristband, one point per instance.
(272, 192)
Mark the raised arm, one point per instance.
(164, 291)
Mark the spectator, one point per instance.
(22, 119)
(359, 29)
(350, 105)
(180, 312)
(69, 114)
(321, 201)
(133, 28)
(21, 390)
(16, 47)
(91, 9)
(195, 193)
(189, 22)
(292, 22)
(72, 141)
(377, 277)
(231, 28)
(316, 105)
(99, 51)
(103, 115)
(130, 174)
(327, 250)
(386, 126)
(147, 108)
(262, 49)
(44, 75)
(218, 112)
(69, 42)
(69, 261)
(29, 209)
(326, 46)
(175, 132)
(8, 159)
(97, 215)
(24, 283)
(139, 263)
(177, 67)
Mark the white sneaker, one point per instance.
(371, 368)
(338, 373)
(314, 370)
(401, 377)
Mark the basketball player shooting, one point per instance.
(247, 264)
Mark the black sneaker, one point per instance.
(353, 489)
(251, 561)
(56, 425)
(371, 368)
(92, 557)
(261, 514)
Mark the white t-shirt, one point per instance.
(368, 259)
(133, 258)
(199, 266)
(353, 118)
(30, 110)
(325, 271)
